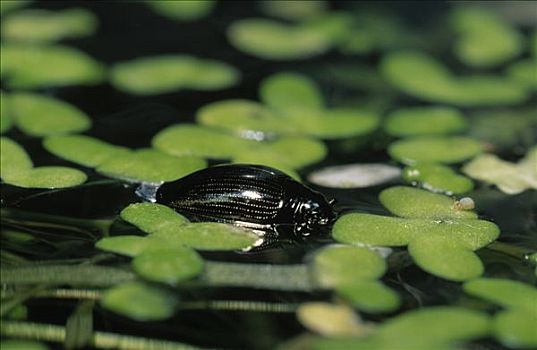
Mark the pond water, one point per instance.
(421, 103)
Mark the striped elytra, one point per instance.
(251, 196)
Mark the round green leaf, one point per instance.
(453, 149)
(152, 217)
(46, 177)
(516, 328)
(13, 158)
(287, 42)
(445, 257)
(38, 115)
(504, 292)
(37, 66)
(415, 203)
(168, 265)
(81, 149)
(139, 301)
(338, 123)
(195, 140)
(523, 72)
(22, 345)
(149, 165)
(369, 296)
(437, 178)
(47, 26)
(6, 120)
(185, 10)
(434, 325)
(162, 74)
(415, 121)
(294, 10)
(336, 265)
(290, 90)
(209, 236)
(124, 245)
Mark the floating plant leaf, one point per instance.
(334, 266)
(354, 175)
(339, 123)
(6, 6)
(415, 121)
(139, 301)
(38, 115)
(485, 39)
(287, 42)
(38, 66)
(452, 149)
(330, 320)
(6, 120)
(290, 153)
(47, 177)
(504, 292)
(13, 158)
(81, 149)
(13, 344)
(437, 178)
(511, 178)
(445, 257)
(208, 236)
(124, 245)
(523, 72)
(293, 10)
(358, 228)
(149, 165)
(47, 26)
(152, 217)
(369, 296)
(161, 74)
(290, 90)
(195, 140)
(415, 203)
(516, 328)
(184, 10)
(168, 265)
(418, 74)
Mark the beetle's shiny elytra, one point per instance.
(252, 196)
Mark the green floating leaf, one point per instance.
(511, 178)
(6, 6)
(47, 177)
(369, 296)
(152, 217)
(330, 320)
(208, 236)
(504, 292)
(123, 245)
(452, 149)
(339, 123)
(287, 42)
(289, 153)
(39, 116)
(21, 344)
(485, 39)
(415, 121)
(523, 72)
(47, 26)
(6, 120)
(83, 150)
(443, 325)
(293, 10)
(38, 66)
(354, 175)
(335, 266)
(437, 178)
(195, 140)
(516, 328)
(184, 10)
(415, 203)
(445, 257)
(149, 165)
(168, 265)
(285, 91)
(418, 74)
(380, 230)
(139, 301)
(13, 158)
(162, 74)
